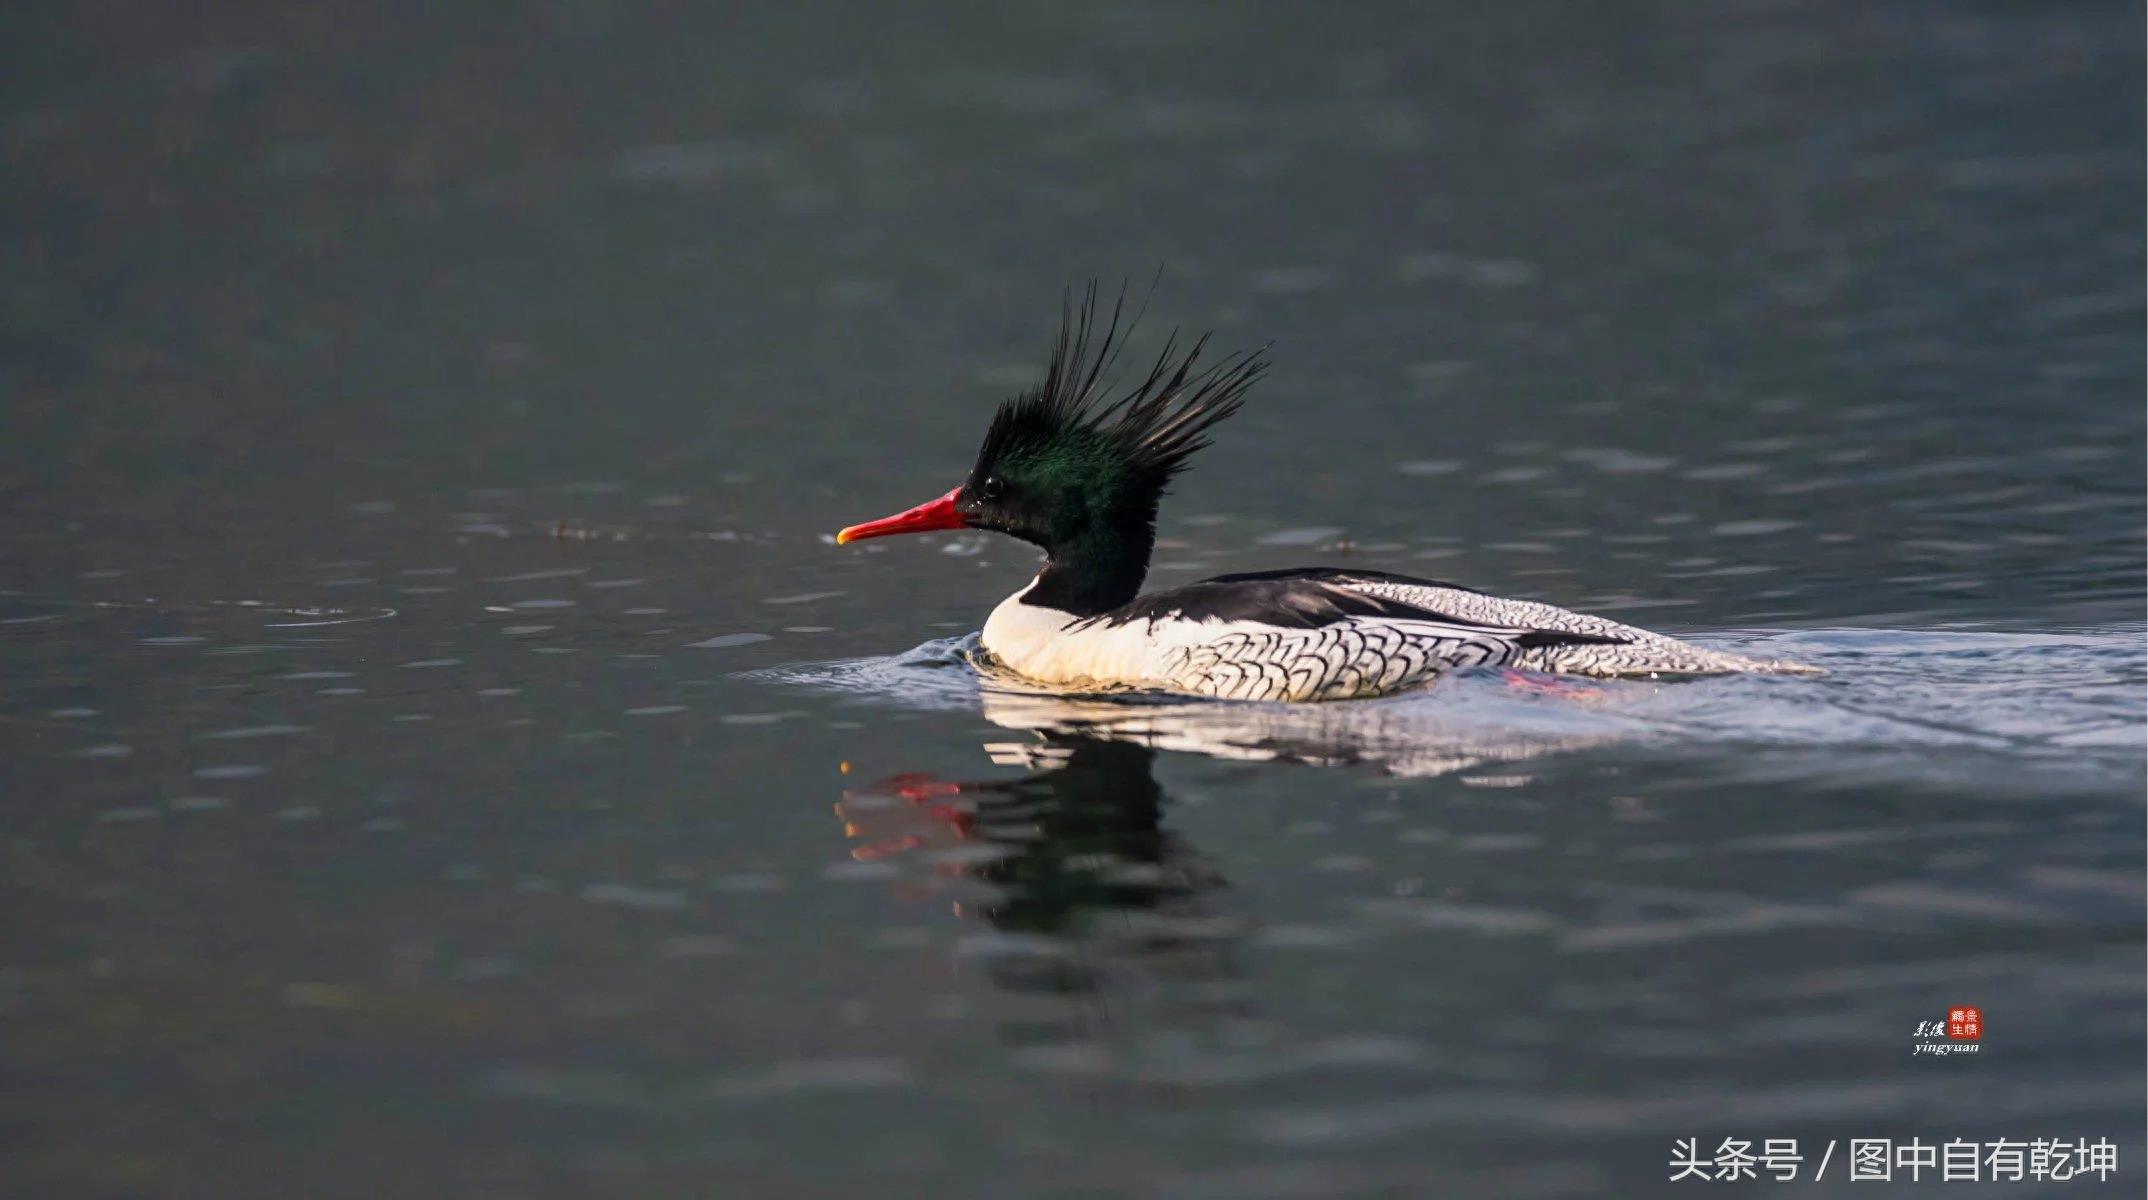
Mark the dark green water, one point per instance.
(441, 752)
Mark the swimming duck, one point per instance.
(1077, 466)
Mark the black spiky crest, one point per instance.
(1149, 431)
(1068, 467)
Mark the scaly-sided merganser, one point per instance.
(1079, 474)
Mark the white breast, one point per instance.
(1055, 647)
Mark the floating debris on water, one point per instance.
(628, 896)
(231, 771)
(530, 576)
(729, 639)
(255, 731)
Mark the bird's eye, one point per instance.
(991, 488)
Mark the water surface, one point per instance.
(445, 754)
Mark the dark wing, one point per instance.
(1311, 598)
(1339, 575)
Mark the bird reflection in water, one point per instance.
(1088, 892)
(1089, 895)
(1423, 735)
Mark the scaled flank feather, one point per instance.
(1155, 426)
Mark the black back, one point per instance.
(1310, 598)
